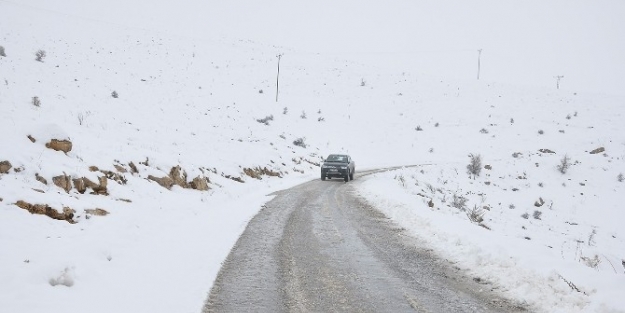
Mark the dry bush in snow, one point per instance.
(475, 166)
(303, 116)
(36, 101)
(2, 53)
(300, 142)
(459, 202)
(265, 120)
(620, 177)
(40, 55)
(476, 214)
(564, 165)
(114, 94)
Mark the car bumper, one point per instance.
(331, 173)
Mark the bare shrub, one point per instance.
(591, 262)
(511, 121)
(476, 215)
(2, 53)
(436, 125)
(484, 131)
(300, 142)
(620, 178)
(321, 119)
(541, 132)
(303, 116)
(564, 165)
(285, 110)
(36, 101)
(265, 120)
(525, 215)
(418, 128)
(260, 91)
(537, 214)
(459, 202)
(40, 55)
(114, 94)
(475, 166)
(362, 82)
(401, 179)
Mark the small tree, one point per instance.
(475, 166)
(2, 53)
(36, 101)
(40, 55)
(114, 94)
(564, 165)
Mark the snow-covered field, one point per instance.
(390, 83)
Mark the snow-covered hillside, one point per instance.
(140, 88)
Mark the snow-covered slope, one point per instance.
(192, 80)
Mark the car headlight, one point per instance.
(343, 167)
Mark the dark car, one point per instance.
(338, 165)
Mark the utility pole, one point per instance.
(279, 56)
(479, 56)
(558, 78)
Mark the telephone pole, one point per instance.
(479, 56)
(279, 56)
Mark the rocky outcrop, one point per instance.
(200, 183)
(44, 209)
(179, 176)
(598, 150)
(60, 145)
(41, 179)
(63, 181)
(164, 181)
(5, 166)
(97, 212)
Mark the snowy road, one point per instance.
(318, 248)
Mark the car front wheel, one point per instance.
(347, 176)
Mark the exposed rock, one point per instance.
(97, 212)
(38, 190)
(120, 168)
(257, 172)
(119, 178)
(18, 169)
(538, 203)
(5, 166)
(164, 181)
(125, 200)
(33, 140)
(44, 209)
(598, 150)
(60, 145)
(545, 151)
(63, 181)
(80, 185)
(41, 179)
(133, 168)
(93, 168)
(200, 183)
(179, 176)
(101, 188)
(147, 162)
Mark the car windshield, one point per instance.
(337, 158)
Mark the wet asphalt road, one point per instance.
(319, 248)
